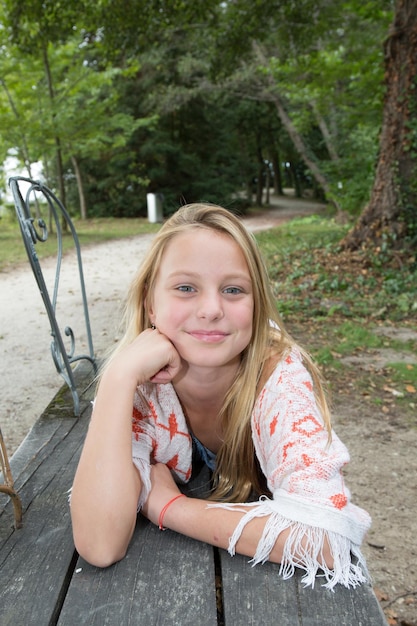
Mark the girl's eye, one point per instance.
(185, 288)
(233, 290)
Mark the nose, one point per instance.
(210, 306)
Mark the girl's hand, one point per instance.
(150, 357)
(163, 490)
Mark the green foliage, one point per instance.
(170, 97)
(333, 98)
(404, 374)
(351, 178)
(313, 279)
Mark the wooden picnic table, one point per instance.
(166, 579)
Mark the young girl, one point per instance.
(206, 365)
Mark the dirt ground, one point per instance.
(381, 436)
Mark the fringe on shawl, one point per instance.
(303, 548)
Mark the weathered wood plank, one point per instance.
(344, 607)
(51, 428)
(36, 449)
(34, 560)
(165, 579)
(257, 595)
(250, 592)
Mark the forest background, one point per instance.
(227, 102)
(215, 101)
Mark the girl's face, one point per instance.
(203, 299)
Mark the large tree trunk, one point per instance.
(391, 214)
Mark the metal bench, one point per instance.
(30, 208)
(36, 205)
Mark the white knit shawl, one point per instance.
(303, 473)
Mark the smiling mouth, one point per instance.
(208, 336)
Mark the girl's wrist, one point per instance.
(165, 508)
(121, 379)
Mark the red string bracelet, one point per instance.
(164, 510)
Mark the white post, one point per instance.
(154, 201)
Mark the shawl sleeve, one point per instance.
(303, 472)
(159, 435)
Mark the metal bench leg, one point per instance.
(8, 486)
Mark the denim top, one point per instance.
(207, 456)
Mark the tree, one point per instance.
(311, 61)
(391, 215)
(60, 106)
(88, 114)
(35, 26)
(196, 149)
(305, 65)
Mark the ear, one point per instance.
(147, 305)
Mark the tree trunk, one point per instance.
(391, 213)
(324, 129)
(295, 136)
(276, 168)
(296, 184)
(303, 151)
(261, 168)
(267, 186)
(59, 165)
(259, 186)
(80, 186)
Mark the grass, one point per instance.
(94, 231)
(337, 301)
(405, 375)
(313, 277)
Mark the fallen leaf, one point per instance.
(392, 617)
(394, 392)
(381, 595)
(410, 389)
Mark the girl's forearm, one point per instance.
(106, 485)
(192, 517)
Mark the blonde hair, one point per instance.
(237, 473)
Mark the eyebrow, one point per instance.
(188, 274)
